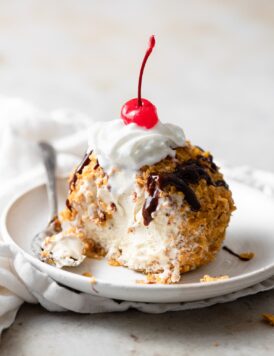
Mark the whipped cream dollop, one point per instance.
(131, 146)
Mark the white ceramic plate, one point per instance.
(251, 229)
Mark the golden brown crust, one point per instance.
(92, 172)
(204, 230)
(216, 207)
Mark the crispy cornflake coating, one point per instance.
(216, 208)
(202, 231)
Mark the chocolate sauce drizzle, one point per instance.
(221, 183)
(191, 172)
(96, 165)
(200, 148)
(85, 161)
(68, 205)
(227, 249)
(209, 160)
(151, 201)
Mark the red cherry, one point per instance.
(144, 115)
(141, 111)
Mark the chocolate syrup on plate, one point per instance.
(227, 249)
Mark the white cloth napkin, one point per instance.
(21, 126)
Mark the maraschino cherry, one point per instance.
(141, 111)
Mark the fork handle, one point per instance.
(49, 159)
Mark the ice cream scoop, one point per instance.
(143, 197)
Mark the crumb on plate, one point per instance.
(87, 274)
(269, 318)
(206, 278)
(93, 280)
(114, 263)
(247, 256)
(90, 276)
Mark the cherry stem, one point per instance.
(151, 45)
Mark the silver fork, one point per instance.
(48, 155)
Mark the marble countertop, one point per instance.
(212, 72)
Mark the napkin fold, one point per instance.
(21, 127)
